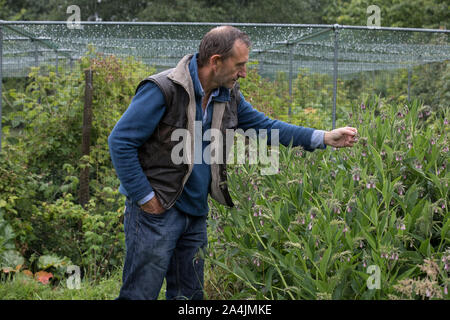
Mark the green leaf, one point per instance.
(368, 237)
(11, 259)
(374, 215)
(377, 160)
(324, 262)
(47, 261)
(425, 248)
(268, 279)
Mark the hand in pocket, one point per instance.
(153, 206)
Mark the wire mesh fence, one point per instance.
(332, 53)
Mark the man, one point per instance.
(166, 206)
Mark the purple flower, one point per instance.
(363, 106)
(445, 121)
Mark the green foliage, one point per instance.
(308, 232)
(264, 95)
(41, 162)
(394, 13)
(311, 231)
(24, 287)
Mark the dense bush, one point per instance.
(41, 162)
(312, 231)
(308, 232)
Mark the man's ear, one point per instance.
(215, 60)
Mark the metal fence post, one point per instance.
(36, 58)
(335, 73)
(56, 61)
(409, 84)
(290, 78)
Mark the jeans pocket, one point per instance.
(151, 214)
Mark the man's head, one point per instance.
(224, 50)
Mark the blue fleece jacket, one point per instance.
(142, 117)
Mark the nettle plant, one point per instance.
(318, 228)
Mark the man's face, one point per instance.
(228, 71)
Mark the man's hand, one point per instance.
(341, 137)
(153, 206)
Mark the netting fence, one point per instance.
(334, 52)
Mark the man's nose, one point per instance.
(243, 72)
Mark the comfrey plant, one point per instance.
(333, 221)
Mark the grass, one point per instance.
(23, 288)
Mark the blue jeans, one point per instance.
(162, 246)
